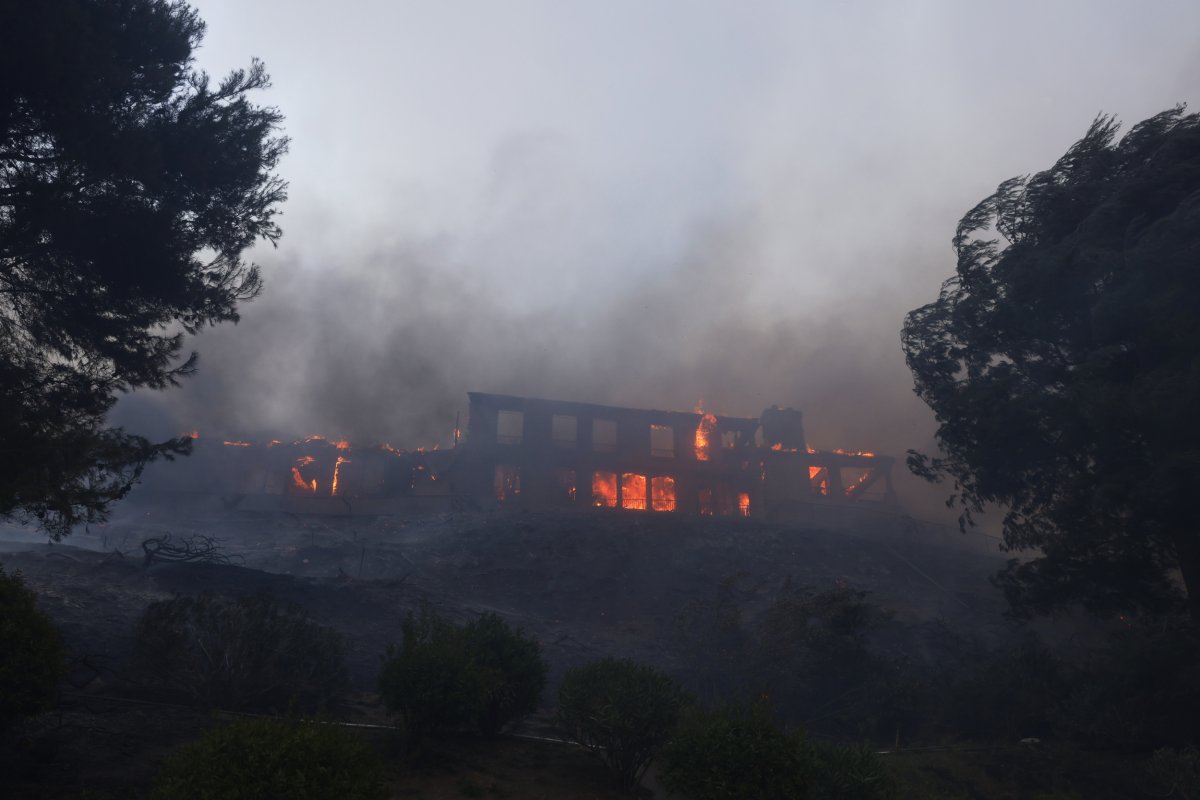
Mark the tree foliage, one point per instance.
(622, 711)
(1062, 361)
(31, 652)
(130, 186)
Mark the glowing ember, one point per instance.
(342, 444)
(273, 442)
(662, 493)
(193, 435)
(841, 452)
(706, 502)
(744, 504)
(633, 491)
(604, 489)
(228, 443)
(704, 431)
(337, 468)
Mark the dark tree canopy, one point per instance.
(130, 187)
(1063, 364)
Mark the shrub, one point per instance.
(622, 711)
(427, 681)
(838, 772)
(729, 755)
(484, 673)
(508, 671)
(31, 652)
(270, 758)
(248, 653)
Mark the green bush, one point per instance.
(31, 653)
(248, 653)
(508, 671)
(729, 755)
(622, 711)
(426, 681)
(270, 759)
(443, 675)
(837, 772)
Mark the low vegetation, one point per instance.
(271, 758)
(250, 653)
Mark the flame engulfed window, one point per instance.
(508, 482)
(662, 493)
(604, 489)
(818, 479)
(704, 433)
(633, 491)
(744, 504)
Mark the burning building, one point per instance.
(546, 454)
(534, 454)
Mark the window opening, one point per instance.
(633, 491)
(510, 425)
(604, 489)
(662, 493)
(662, 441)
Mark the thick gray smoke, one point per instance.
(642, 205)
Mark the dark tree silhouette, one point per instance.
(130, 186)
(1063, 364)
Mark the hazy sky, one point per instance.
(646, 203)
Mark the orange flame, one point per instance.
(604, 489)
(273, 442)
(341, 444)
(337, 468)
(744, 504)
(708, 424)
(192, 434)
(662, 493)
(633, 491)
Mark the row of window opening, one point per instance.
(564, 432)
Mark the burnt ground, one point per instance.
(584, 584)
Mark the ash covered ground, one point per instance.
(586, 584)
